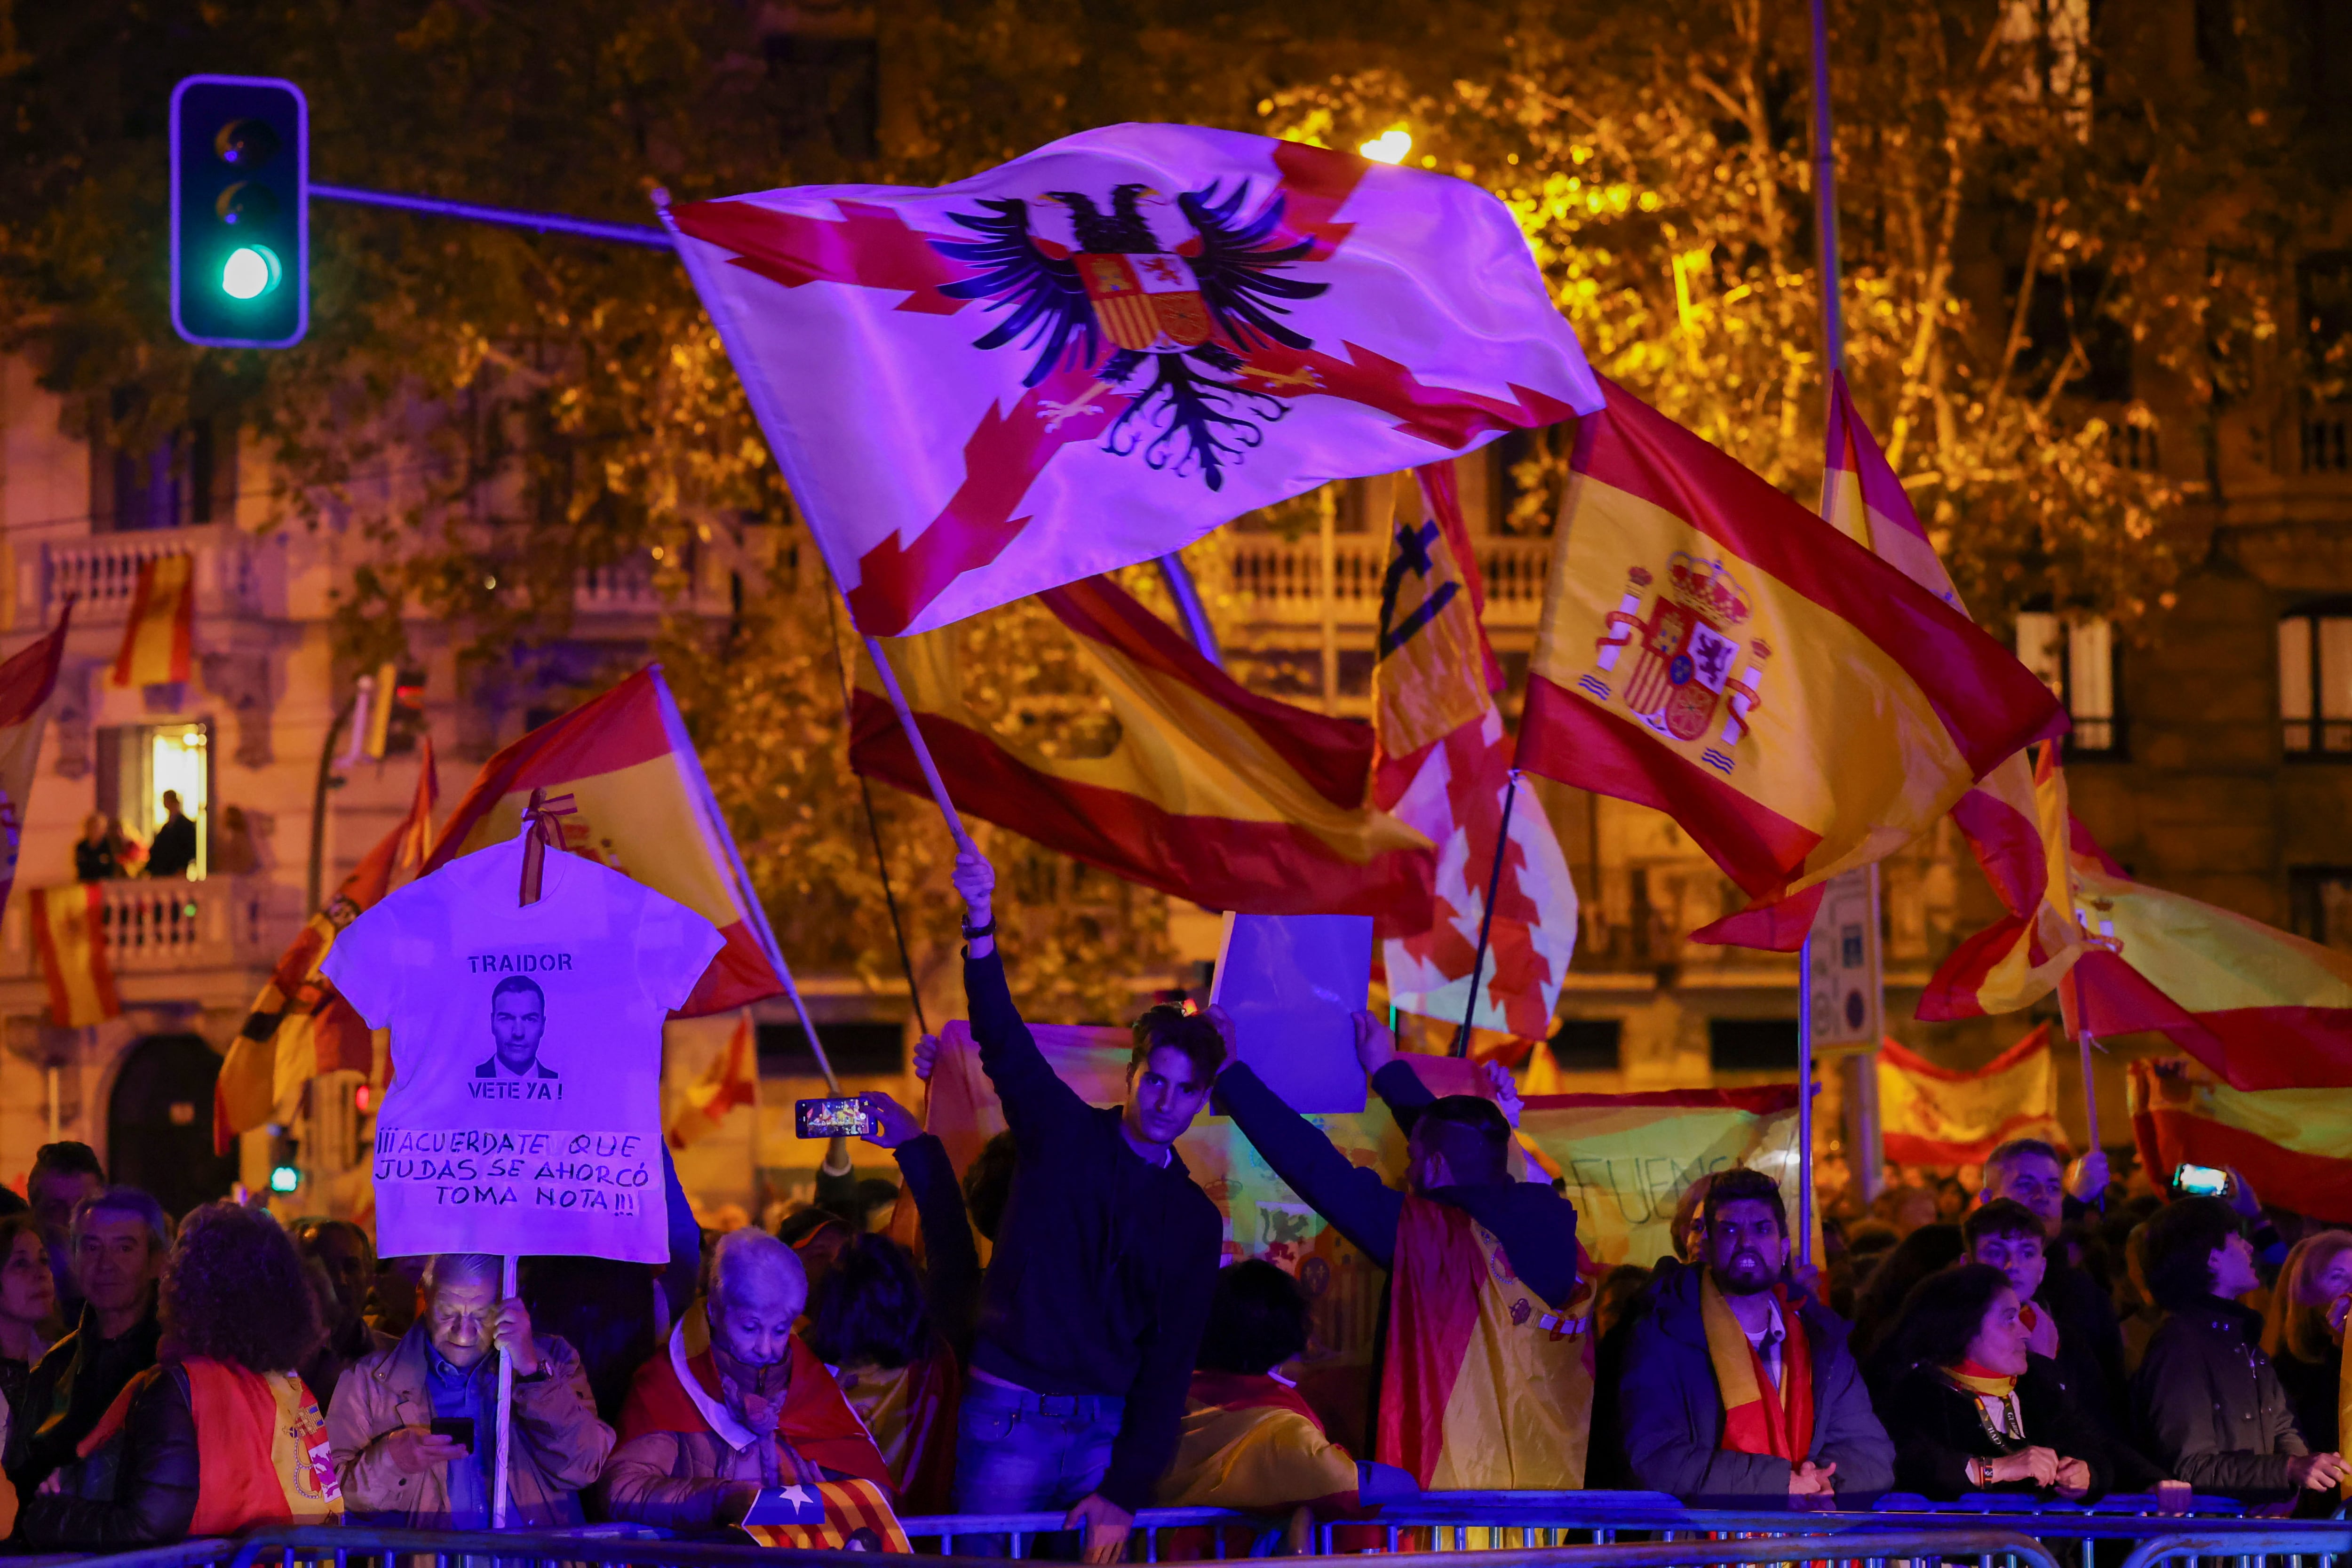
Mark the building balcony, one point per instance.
(1281, 581)
(101, 574)
(170, 926)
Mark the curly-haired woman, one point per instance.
(222, 1435)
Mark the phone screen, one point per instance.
(461, 1427)
(2201, 1181)
(841, 1117)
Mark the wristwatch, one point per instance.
(971, 933)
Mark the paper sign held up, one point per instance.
(1292, 984)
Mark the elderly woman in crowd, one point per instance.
(1971, 1407)
(396, 1470)
(221, 1435)
(2303, 1332)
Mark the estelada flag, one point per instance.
(2293, 1145)
(27, 681)
(1931, 1115)
(732, 1079)
(1444, 769)
(1711, 648)
(1864, 499)
(158, 636)
(68, 927)
(1092, 356)
(1209, 793)
(300, 1025)
(643, 809)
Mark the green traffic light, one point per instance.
(251, 271)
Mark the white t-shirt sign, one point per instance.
(525, 1109)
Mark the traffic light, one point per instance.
(397, 717)
(240, 212)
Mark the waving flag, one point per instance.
(70, 931)
(1711, 648)
(732, 1079)
(1445, 767)
(158, 635)
(1209, 793)
(1934, 1115)
(2015, 961)
(1864, 499)
(2294, 1146)
(27, 681)
(1094, 354)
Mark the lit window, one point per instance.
(179, 762)
(2076, 659)
(2316, 680)
(2319, 904)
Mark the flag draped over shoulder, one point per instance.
(300, 1026)
(27, 681)
(1444, 768)
(1864, 499)
(643, 809)
(1209, 793)
(1092, 356)
(732, 1079)
(1711, 648)
(158, 635)
(1931, 1115)
(2294, 1146)
(69, 927)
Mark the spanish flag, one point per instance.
(158, 635)
(300, 1026)
(1710, 649)
(1933, 1115)
(732, 1079)
(27, 680)
(2294, 1146)
(1864, 499)
(642, 807)
(1208, 792)
(69, 929)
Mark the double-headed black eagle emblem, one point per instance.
(1123, 299)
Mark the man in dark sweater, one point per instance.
(1106, 1258)
(175, 850)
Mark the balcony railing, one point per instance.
(1283, 579)
(101, 573)
(170, 926)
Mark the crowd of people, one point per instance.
(2044, 1335)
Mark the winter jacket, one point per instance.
(2211, 1405)
(1671, 1412)
(558, 1448)
(66, 1396)
(156, 1476)
(1938, 1426)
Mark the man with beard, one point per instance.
(1738, 1387)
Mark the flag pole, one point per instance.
(2070, 1012)
(506, 1403)
(1487, 920)
(922, 752)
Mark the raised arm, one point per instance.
(1355, 1201)
(1036, 1102)
(951, 1258)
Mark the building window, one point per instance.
(138, 762)
(2319, 904)
(2316, 679)
(854, 1049)
(1752, 1045)
(2076, 659)
(1588, 1045)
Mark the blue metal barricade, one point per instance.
(2308, 1544)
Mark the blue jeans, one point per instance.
(1018, 1452)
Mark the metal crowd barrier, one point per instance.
(2305, 1543)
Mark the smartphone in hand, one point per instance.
(843, 1116)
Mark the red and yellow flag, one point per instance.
(1932, 1115)
(732, 1079)
(641, 807)
(158, 636)
(2294, 1146)
(1864, 499)
(300, 1026)
(1444, 769)
(1209, 793)
(2014, 961)
(69, 929)
(27, 679)
(1709, 648)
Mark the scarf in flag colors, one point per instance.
(1444, 767)
(27, 681)
(1931, 1115)
(68, 927)
(1094, 354)
(1483, 1386)
(1710, 649)
(2294, 1146)
(1210, 793)
(732, 1079)
(641, 807)
(300, 1026)
(1759, 1418)
(1862, 498)
(158, 635)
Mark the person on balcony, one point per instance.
(173, 849)
(94, 852)
(118, 1239)
(221, 1435)
(396, 1470)
(1738, 1386)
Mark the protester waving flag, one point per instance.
(2293, 1145)
(1092, 356)
(1862, 497)
(1711, 648)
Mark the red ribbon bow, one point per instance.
(540, 832)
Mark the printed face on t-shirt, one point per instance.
(518, 1018)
